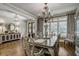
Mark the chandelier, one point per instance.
(46, 16)
(46, 11)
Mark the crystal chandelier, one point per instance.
(46, 12)
(46, 16)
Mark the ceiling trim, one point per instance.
(6, 10)
(18, 10)
(24, 13)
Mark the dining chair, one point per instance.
(26, 45)
(30, 51)
(35, 51)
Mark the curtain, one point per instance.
(70, 26)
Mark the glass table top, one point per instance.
(46, 42)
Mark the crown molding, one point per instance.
(19, 11)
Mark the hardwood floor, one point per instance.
(66, 50)
(14, 48)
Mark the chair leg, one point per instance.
(51, 51)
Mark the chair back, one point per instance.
(33, 46)
(33, 50)
(26, 45)
(30, 50)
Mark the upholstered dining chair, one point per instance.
(34, 51)
(30, 51)
(26, 45)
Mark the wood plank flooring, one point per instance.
(14, 48)
(65, 50)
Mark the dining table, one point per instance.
(52, 44)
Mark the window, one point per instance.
(57, 26)
(46, 29)
(77, 30)
(77, 26)
(63, 28)
(54, 28)
(62, 23)
(31, 27)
